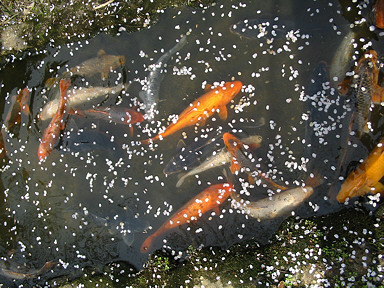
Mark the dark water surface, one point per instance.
(51, 211)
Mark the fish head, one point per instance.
(230, 90)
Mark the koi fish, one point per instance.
(19, 105)
(150, 94)
(365, 178)
(203, 147)
(203, 108)
(79, 97)
(220, 158)
(367, 71)
(119, 115)
(342, 59)
(52, 133)
(366, 90)
(209, 199)
(378, 11)
(239, 159)
(279, 204)
(103, 63)
(192, 155)
(31, 274)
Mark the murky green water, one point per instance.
(45, 206)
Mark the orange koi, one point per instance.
(209, 199)
(236, 148)
(365, 179)
(19, 105)
(378, 11)
(202, 108)
(119, 115)
(51, 134)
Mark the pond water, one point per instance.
(69, 208)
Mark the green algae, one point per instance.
(337, 250)
(30, 25)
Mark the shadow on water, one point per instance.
(51, 202)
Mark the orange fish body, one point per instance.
(209, 199)
(52, 133)
(365, 179)
(202, 108)
(378, 11)
(20, 104)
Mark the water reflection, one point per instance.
(285, 81)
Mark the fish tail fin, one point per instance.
(128, 238)
(131, 129)
(146, 141)
(149, 140)
(147, 244)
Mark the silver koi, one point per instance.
(150, 93)
(79, 96)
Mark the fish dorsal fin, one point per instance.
(208, 88)
(101, 53)
(180, 145)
